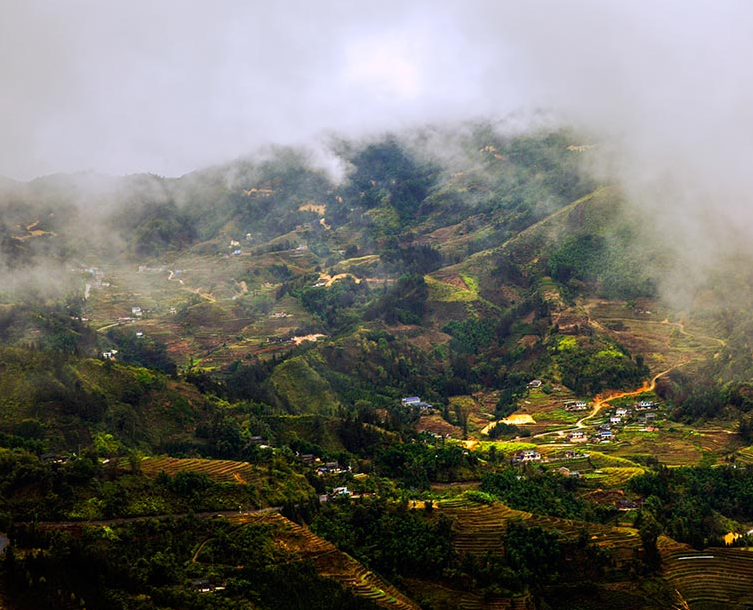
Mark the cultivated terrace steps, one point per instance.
(712, 579)
(340, 566)
(478, 529)
(224, 471)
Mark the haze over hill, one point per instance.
(167, 88)
(461, 289)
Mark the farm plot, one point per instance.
(745, 455)
(224, 471)
(340, 566)
(445, 597)
(677, 448)
(614, 478)
(478, 529)
(646, 330)
(711, 579)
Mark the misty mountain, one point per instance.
(444, 305)
(517, 221)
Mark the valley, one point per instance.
(420, 386)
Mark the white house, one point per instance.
(577, 436)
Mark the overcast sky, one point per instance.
(168, 86)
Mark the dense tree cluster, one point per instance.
(688, 503)
(589, 366)
(142, 350)
(391, 539)
(153, 564)
(540, 492)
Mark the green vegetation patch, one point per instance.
(448, 293)
(471, 282)
(603, 460)
(302, 387)
(506, 448)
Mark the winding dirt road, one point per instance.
(601, 402)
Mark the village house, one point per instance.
(615, 419)
(280, 314)
(415, 401)
(627, 504)
(527, 455)
(566, 472)
(203, 585)
(577, 436)
(605, 436)
(534, 383)
(54, 458)
(277, 340)
(330, 468)
(575, 405)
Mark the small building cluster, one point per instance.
(331, 468)
(642, 413)
(415, 401)
(575, 405)
(280, 314)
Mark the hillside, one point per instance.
(455, 362)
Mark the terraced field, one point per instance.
(712, 579)
(479, 528)
(445, 597)
(616, 478)
(218, 322)
(227, 471)
(646, 329)
(745, 455)
(340, 566)
(475, 602)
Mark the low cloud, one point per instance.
(168, 87)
